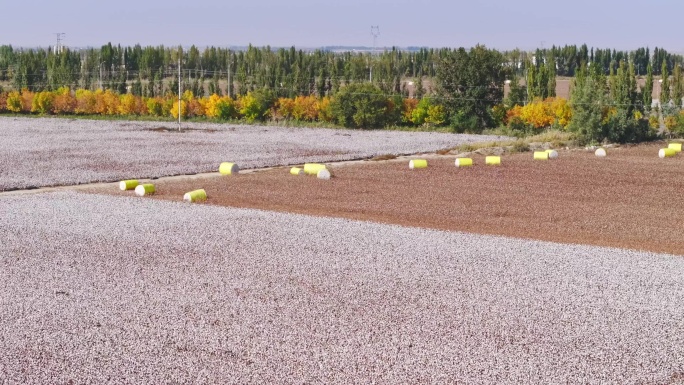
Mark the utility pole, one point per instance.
(60, 37)
(179, 91)
(229, 84)
(375, 31)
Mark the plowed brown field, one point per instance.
(630, 199)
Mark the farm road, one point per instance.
(57, 152)
(97, 288)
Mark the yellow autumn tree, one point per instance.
(183, 107)
(155, 106)
(211, 105)
(42, 102)
(284, 108)
(107, 102)
(128, 105)
(561, 111)
(14, 101)
(324, 110)
(86, 102)
(537, 114)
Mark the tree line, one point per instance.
(289, 72)
(363, 89)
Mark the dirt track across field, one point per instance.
(631, 199)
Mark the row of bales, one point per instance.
(322, 172)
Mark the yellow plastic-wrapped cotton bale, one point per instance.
(675, 146)
(297, 171)
(144, 189)
(228, 168)
(464, 162)
(129, 184)
(323, 174)
(666, 153)
(313, 168)
(417, 163)
(553, 154)
(600, 152)
(493, 160)
(541, 155)
(195, 196)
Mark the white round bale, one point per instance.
(323, 174)
(601, 152)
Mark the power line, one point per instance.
(60, 37)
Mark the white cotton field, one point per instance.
(37, 152)
(97, 289)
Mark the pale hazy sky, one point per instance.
(526, 24)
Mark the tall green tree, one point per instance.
(516, 94)
(470, 83)
(677, 86)
(587, 101)
(647, 92)
(664, 85)
(602, 113)
(550, 77)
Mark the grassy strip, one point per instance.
(556, 139)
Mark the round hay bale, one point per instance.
(195, 196)
(541, 155)
(144, 189)
(675, 146)
(553, 154)
(417, 163)
(129, 184)
(600, 152)
(463, 162)
(313, 168)
(228, 168)
(296, 171)
(493, 160)
(324, 174)
(666, 153)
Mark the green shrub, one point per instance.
(225, 109)
(360, 105)
(462, 122)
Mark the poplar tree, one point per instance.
(677, 86)
(665, 85)
(647, 92)
(550, 77)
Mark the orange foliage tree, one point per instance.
(3, 101)
(305, 108)
(27, 100)
(65, 102)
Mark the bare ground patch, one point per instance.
(631, 199)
